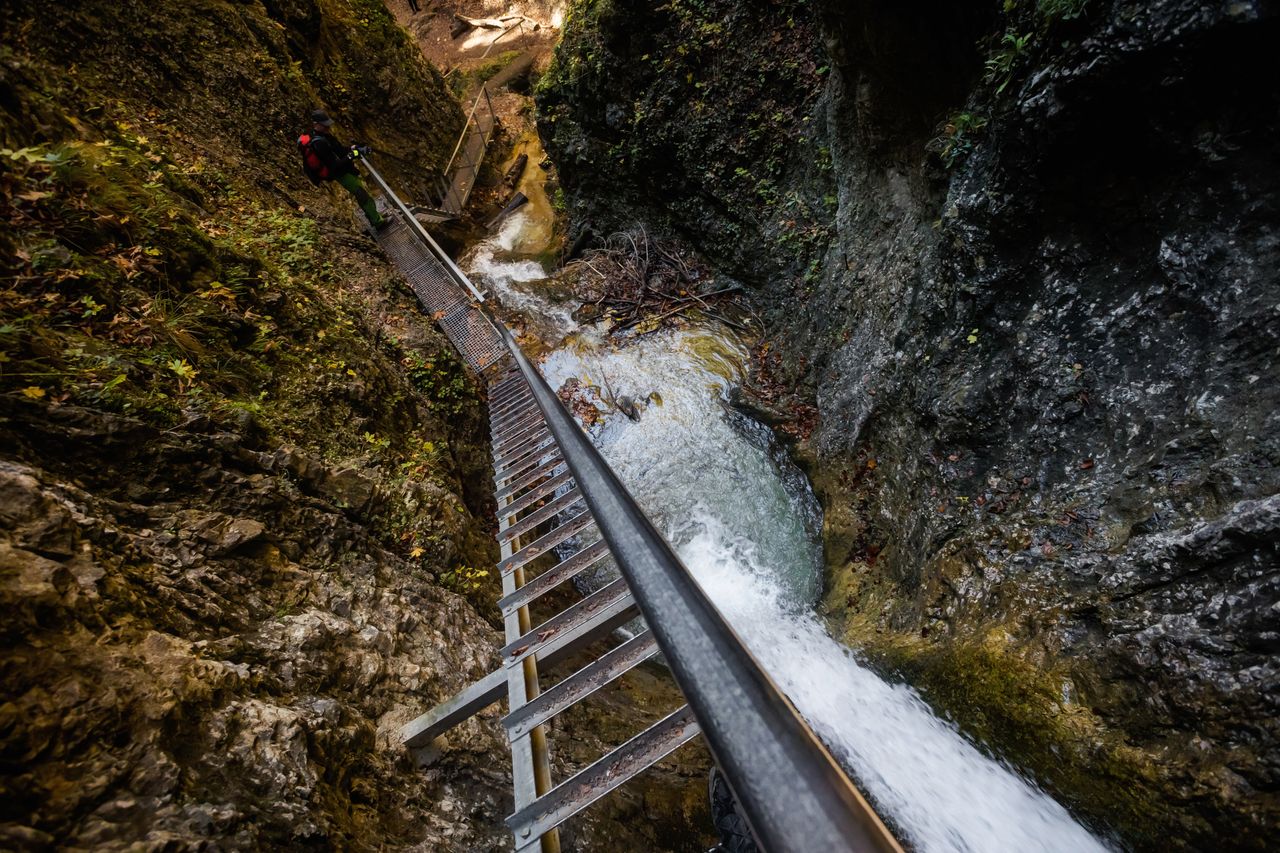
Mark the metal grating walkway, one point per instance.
(464, 166)
(467, 329)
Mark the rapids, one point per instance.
(747, 525)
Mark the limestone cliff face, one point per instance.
(1019, 267)
(206, 641)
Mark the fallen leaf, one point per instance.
(416, 552)
(33, 392)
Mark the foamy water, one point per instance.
(751, 539)
(509, 279)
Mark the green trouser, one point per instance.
(351, 183)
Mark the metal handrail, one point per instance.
(793, 794)
(412, 222)
(484, 92)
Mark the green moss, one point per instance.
(467, 83)
(692, 118)
(154, 277)
(997, 694)
(579, 47)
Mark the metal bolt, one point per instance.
(524, 833)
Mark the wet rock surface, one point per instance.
(1043, 377)
(202, 645)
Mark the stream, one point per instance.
(748, 526)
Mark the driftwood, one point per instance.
(513, 175)
(640, 283)
(514, 204)
(461, 23)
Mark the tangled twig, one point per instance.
(638, 282)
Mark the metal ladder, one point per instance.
(559, 500)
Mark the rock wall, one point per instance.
(207, 641)
(1018, 269)
(243, 482)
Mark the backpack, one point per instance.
(311, 159)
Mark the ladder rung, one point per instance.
(530, 459)
(512, 447)
(541, 471)
(503, 404)
(554, 576)
(503, 421)
(508, 407)
(607, 601)
(506, 393)
(566, 501)
(503, 458)
(528, 498)
(506, 382)
(492, 687)
(540, 546)
(612, 665)
(581, 790)
(504, 434)
(499, 421)
(500, 425)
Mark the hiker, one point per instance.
(324, 158)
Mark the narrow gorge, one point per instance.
(938, 339)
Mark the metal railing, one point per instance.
(456, 183)
(793, 794)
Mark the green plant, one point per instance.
(1049, 11)
(439, 378)
(464, 580)
(423, 457)
(378, 443)
(957, 137)
(1005, 59)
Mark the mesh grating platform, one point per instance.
(467, 329)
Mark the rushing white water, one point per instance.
(509, 278)
(752, 543)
